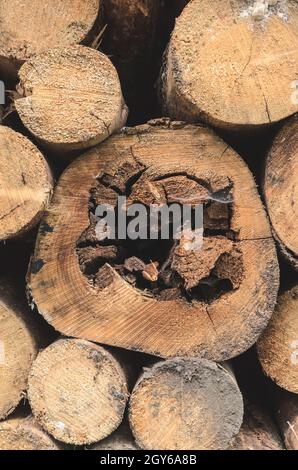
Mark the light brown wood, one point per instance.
(18, 347)
(258, 431)
(30, 27)
(185, 404)
(77, 391)
(287, 418)
(121, 439)
(225, 67)
(281, 189)
(25, 184)
(122, 315)
(72, 98)
(278, 346)
(23, 433)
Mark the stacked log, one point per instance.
(25, 184)
(278, 346)
(225, 67)
(185, 404)
(217, 309)
(280, 189)
(28, 30)
(77, 391)
(71, 98)
(150, 338)
(19, 340)
(24, 433)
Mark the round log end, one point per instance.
(225, 67)
(23, 433)
(77, 391)
(185, 404)
(25, 184)
(29, 27)
(18, 348)
(278, 346)
(281, 190)
(72, 98)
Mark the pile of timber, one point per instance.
(133, 344)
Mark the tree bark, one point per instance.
(29, 28)
(77, 391)
(72, 98)
(280, 190)
(19, 340)
(185, 404)
(258, 431)
(278, 346)
(143, 296)
(25, 184)
(220, 60)
(24, 433)
(287, 418)
(131, 40)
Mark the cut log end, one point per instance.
(18, 348)
(185, 404)
(77, 391)
(23, 433)
(211, 300)
(281, 190)
(25, 184)
(278, 346)
(27, 28)
(220, 61)
(72, 98)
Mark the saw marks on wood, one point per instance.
(25, 184)
(72, 98)
(77, 391)
(225, 68)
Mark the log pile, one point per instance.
(141, 340)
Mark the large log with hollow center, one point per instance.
(155, 296)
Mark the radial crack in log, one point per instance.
(220, 60)
(26, 184)
(72, 98)
(28, 29)
(172, 406)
